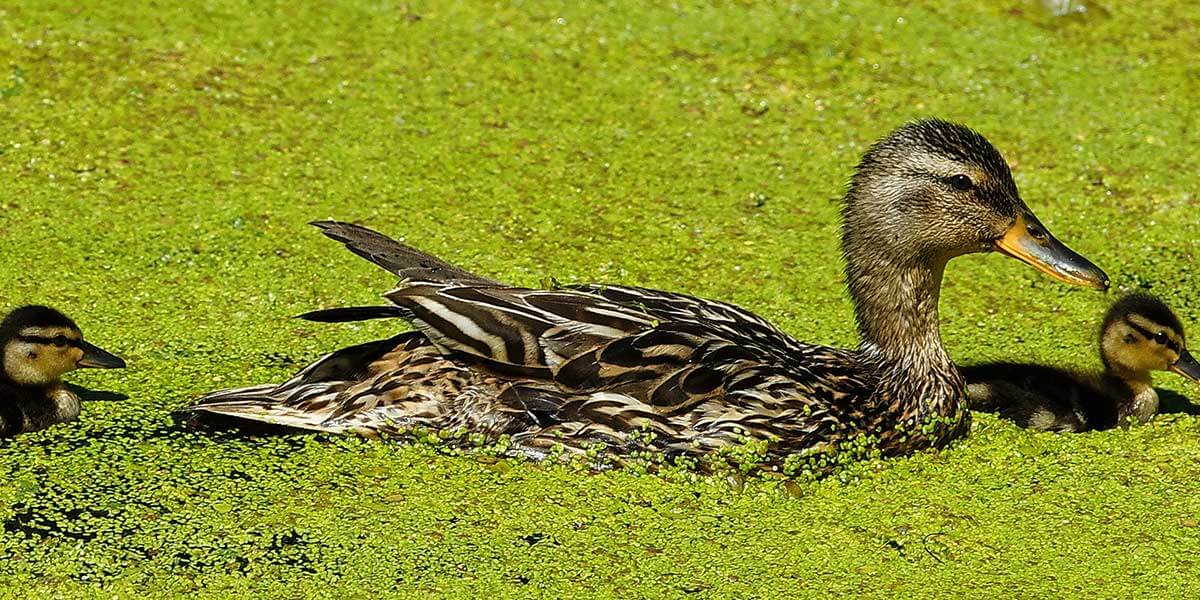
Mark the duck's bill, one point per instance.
(1187, 366)
(95, 357)
(1029, 242)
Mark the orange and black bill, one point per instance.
(1187, 366)
(1029, 242)
(95, 357)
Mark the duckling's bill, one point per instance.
(1187, 366)
(95, 357)
(1028, 241)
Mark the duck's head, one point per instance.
(932, 190)
(1140, 334)
(39, 344)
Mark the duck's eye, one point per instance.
(961, 182)
(61, 341)
(1161, 338)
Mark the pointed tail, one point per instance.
(400, 259)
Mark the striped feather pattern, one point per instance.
(572, 366)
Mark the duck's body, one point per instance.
(593, 363)
(698, 375)
(1139, 335)
(37, 346)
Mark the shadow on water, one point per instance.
(1174, 402)
(89, 395)
(226, 427)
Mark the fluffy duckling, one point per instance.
(38, 345)
(1139, 335)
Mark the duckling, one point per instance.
(38, 345)
(584, 364)
(1139, 335)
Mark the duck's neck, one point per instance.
(1142, 403)
(896, 304)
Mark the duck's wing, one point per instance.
(720, 319)
(611, 357)
(631, 334)
(667, 353)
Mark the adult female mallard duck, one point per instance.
(38, 345)
(1139, 335)
(587, 363)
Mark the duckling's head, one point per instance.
(1140, 334)
(39, 344)
(932, 190)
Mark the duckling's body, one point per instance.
(38, 345)
(24, 409)
(595, 363)
(1139, 335)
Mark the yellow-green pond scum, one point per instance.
(158, 163)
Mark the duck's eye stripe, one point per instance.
(1146, 333)
(61, 340)
(35, 339)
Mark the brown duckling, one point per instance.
(1139, 335)
(38, 345)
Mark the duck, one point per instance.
(636, 369)
(1139, 334)
(38, 345)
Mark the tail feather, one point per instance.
(305, 401)
(403, 260)
(297, 406)
(261, 410)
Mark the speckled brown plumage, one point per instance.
(598, 363)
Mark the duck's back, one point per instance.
(571, 366)
(1041, 397)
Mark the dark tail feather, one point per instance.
(348, 314)
(403, 260)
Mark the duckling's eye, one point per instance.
(61, 341)
(961, 182)
(1161, 338)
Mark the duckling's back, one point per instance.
(1041, 397)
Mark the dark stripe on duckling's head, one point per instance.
(33, 316)
(1149, 308)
